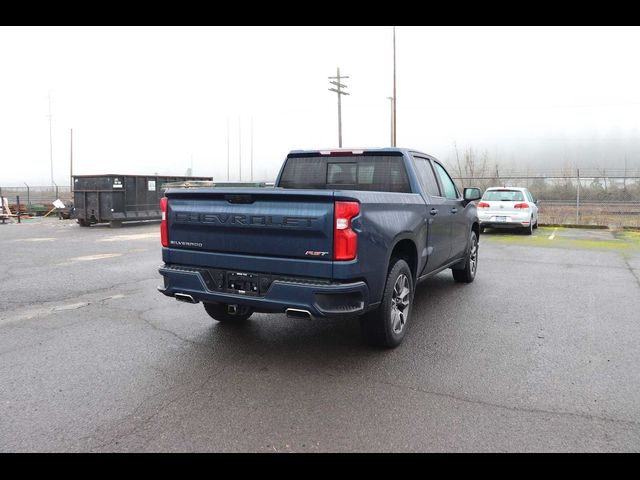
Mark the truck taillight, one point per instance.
(164, 234)
(483, 205)
(521, 205)
(345, 240)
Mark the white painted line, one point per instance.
(71, 306)
(553, 235)
(48, 239)
(135, 236)
(99, 256)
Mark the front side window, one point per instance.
(450, 190)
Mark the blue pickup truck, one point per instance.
(342, 233)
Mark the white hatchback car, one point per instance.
(508, 207)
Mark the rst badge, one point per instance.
(312, 253)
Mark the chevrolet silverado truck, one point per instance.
(342, 233)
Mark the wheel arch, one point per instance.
(405, 248)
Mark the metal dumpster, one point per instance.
(120, 198)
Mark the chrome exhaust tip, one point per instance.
(297, 313)
(183, 297)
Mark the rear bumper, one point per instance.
(322, 299)
(510, 220)
(504, 224)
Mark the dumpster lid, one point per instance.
(212, 184)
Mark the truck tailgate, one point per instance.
(289, 224)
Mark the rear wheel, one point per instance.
(529, 230)
(220, 312)
(83, 223)
(468, 273)
(387, 325)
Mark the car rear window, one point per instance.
(356, 172)
(503, 195)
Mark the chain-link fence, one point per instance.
(584, 197)
(36, 200)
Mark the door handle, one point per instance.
(434, 211)
(454, 210)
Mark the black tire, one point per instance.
(468, 273)
(220, 312)
(529, 230)
(83, 223)
(482, 229)
(535, 225)
(387, 325)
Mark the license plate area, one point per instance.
(243, 283)
(501, 219)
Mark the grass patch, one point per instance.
(623, 240)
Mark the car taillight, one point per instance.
(483, 205)
(345, 240)
(521, 205)
(164, 234)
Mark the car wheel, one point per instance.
(83, 223)
(387, 325)
(468, 273)
(482, 229)
(220, 312)
(529, 230)
(535, 225)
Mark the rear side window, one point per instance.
(426, 176)
(357, 172)
(503, 195)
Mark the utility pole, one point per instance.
(50, 139)
(336, 81)
(578, 198)
(252, 149)
(395, 98)
(71, 165)
(392, 129)
(228, 160)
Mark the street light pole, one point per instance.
(336, 81)
(392, 129)
(395, 98)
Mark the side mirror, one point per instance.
(471, 194)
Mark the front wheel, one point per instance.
(220, 312)
(468, 273)
(387, 325)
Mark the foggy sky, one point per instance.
(150, 99)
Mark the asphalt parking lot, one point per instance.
(539, 353)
